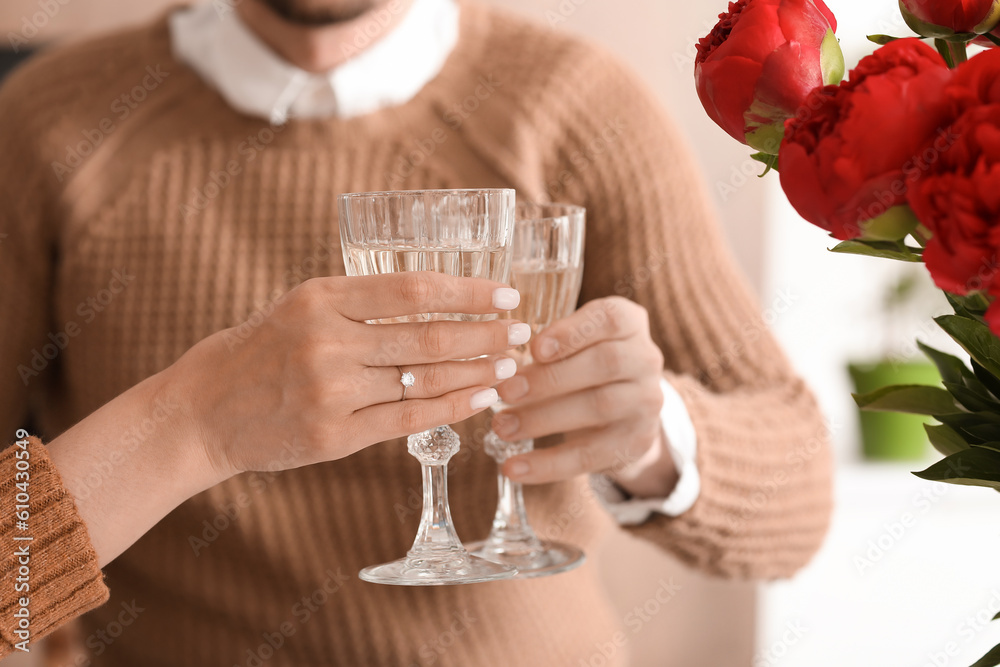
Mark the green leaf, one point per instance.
(912, 398)
(972, 382)
(945, 439)
(885, 249)
(993, 446)
(995, 618)
(951, 368)
(970, 400)
(982, 433)
(964, 419)
(958, 305)
(972, 305)
(991, 659)
(882, 40)
(975, 466)
(978, 301)
(974, 427)
(768, 160)
(990, 382)
(976, 339)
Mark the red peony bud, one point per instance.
(756, 67)
(943, 18)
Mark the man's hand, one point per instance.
(596, 378)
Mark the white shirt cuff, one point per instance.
(682, 443)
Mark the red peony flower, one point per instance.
(941, 18)
(759, 63)
(958, 199)
(852, 152)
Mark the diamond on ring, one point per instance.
(407, 380)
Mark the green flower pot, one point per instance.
(892, 436)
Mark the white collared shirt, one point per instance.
(213, 40)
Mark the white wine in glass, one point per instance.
(549, 289)
(548, 270)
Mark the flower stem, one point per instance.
(959, 53)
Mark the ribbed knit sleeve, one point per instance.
(763, 451)
(47, 561)
(63, 578)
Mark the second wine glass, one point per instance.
(547, 258)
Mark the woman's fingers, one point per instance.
(406, 293)
(401, 418)
(433, 380)
(431, 342)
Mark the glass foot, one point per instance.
(552, 558)
(459, 567)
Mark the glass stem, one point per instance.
(510, 524)
(436, 534)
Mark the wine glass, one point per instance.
(462, 233)
(547, 257)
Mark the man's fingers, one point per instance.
(583, 409)
(410, 293)
(586, 451)
(607, 361)
(614, 318)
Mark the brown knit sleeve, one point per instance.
(62, 578)
(48, 571)
(763, 451)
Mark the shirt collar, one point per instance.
(256, 81)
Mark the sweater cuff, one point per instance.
(49, 570)
(765, 502)
(681, 440)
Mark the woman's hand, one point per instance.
(311, 374)
(596, 378)
(315, 375)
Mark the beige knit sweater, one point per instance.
(266, 559)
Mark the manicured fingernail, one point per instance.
(484, 399)
(505, 298)
(506, 367)
(518, 334)
(515, 389)
(548, 348)
(518, 469)
(505, 424)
